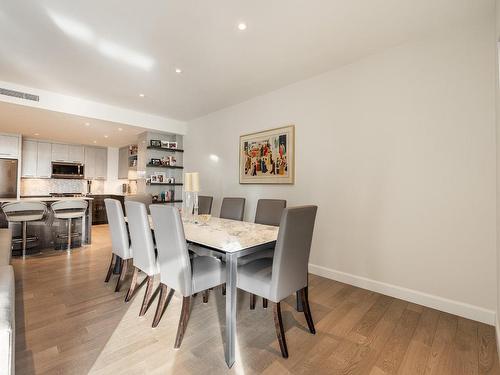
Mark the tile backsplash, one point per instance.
(35, 186)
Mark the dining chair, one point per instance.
(277, 278)
(147, 199)
(121, 250)
(268, 212)
(205, 205)
(144, 257)
(232, 208)
(177, 271)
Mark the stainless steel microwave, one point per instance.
(67, 170)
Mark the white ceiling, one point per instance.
(110, 51)
(62, 127)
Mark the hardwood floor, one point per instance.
(68, 321)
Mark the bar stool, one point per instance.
(69, 210)
(24, 212)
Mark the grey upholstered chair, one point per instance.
(147, 199)
(144, 256)
(232, 208)
(205, 205)
(277, 278)
(121, 250)
(176, 269)
(268, 212)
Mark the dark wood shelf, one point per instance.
(165, 149)
(164, 166)
(165, 183)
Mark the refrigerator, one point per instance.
(8, 178)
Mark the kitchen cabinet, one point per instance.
(101, 163)
(36, 159)
(9, 146)
(89, 163)
(29, 159)
(44, 160)
(60, 152)
(96, 163)
(76, 154)
(123, 163)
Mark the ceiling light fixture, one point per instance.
(37, 133)
(95, 141)
(120, 129)
(178, 71)
(242, 26)
(141, 95)
(87, 124)
(105, 136)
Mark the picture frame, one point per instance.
(165, 144)
(268, 157)
(172, 145)
(155, 161)
(155, 143)
(160, 177)
(153, 179)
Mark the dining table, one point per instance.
(231, 239)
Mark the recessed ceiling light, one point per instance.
(105, 136)
(242, 26)
(87, 124)
(141, 95)
(37, 133)
(178, 71)
(120, 129)
(95, 141)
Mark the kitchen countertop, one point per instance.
(43, 199)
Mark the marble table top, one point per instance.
(44, 199)
(228, 235)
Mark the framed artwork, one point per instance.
(155, 143)
(268, 157)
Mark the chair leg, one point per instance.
(147, 296)
(280, 332)
(161, 305)
(123, 272)
(110, 270)
(252, 301)
(183, 321)
(307, 309)
(133, 285)
(224, 289)
(69, 235)
(205, 296)
(264, 303)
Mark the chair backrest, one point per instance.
(232, 208)
(70, 205)
(118, 229)
(36, 210)
(140, 237)
(147, 199)
(173, 256)
(269, 211)
(205, 204)
(291, 254)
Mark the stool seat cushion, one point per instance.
(7, 323)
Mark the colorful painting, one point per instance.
(267, 157)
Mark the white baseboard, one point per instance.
(462, 309)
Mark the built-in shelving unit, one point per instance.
(165, 183)
(164, 166)
(164, 149)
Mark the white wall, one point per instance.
(112, 183)
(398, 152)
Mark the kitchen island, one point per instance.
(47, 230)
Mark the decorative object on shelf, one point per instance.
(155, 143)
(132, 150)
(170, 180)
(155, 161)
(268, 157)
(168, 161)
(164, 144)
(172, 145)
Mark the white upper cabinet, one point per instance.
(89, 167)
(9, 146)
(29, 159)
(101, 163)
(60, 152)
(44, 160)
(76, 154)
